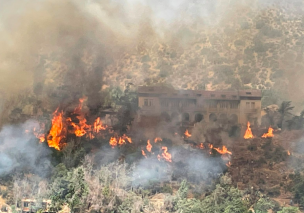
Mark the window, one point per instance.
(223, 105)
(248, 93)
(252, 105)
(150, 102)
(175, 103)
(198, 95)
(26, 204)
(234, 96)
(146, 102)
(213, 105)
(248, 105)
(234, 105)
(164, 103)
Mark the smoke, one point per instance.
(20, 151)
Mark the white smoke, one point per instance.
(21, 150)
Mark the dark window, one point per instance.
(26, 204)
(234, 105)
(150, 102)
(199, 95)
(146, 102)
(234, 96)
(248, 93)
(252, 105)
(223, 105)
(247, 105)
(213, 105)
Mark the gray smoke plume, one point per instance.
(21, 151)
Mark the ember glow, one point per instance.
(288, 153)
(269, 134)
(98, 125)
(201, 146)
(113, 142)
(149, 146)
(157, 140)
(248, 133)
(187, 134)
(58, 130)
(143, 153)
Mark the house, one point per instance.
(191, 106)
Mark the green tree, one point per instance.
(263, 205)
(284, 110)
(289, 210)
(70, 189)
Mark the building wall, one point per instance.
(222, 109)
(250, 110)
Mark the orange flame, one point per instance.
(149, 146)
(157, 140)
(288, 153)
(143, 153)
(38, 134)
(57, 132)
(269, 134)
(113, 142)
(248, 133)
(210, 147)
(187, 134)
(228, 164)
(201, 146)
(223, 151)
(98, 125)
(166, 155)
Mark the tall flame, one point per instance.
(248, 133)
(58, 130)
(166, 155)
(269, 134)
(113, 142)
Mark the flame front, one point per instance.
(166, 155)
(223, 151)
(248, 133)
(269, 134)
(98, 125)
(113, 142)
(201, 146)
(149, 146)
(187, 134)
(288, 153)
(57, 132)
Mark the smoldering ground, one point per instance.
(20, 151)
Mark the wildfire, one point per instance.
(38, 133)
(187, 134)
(149, 146)
(143, 153)
(58, 130)
(201, 146)
(228, 164)
(248, 133)
(98, 125)
(288, 153)
(114, 141)
(269, 134)
(223, 151)
(166, 155)
(157, 140)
